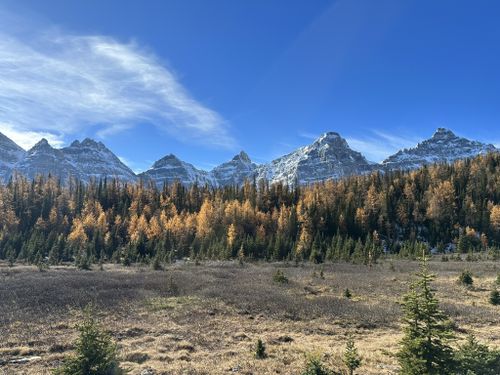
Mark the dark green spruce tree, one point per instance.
(425, 346)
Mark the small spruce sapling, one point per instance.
(314, 366)
(260, 350)
(347, 293)
(95, 352)
(495, 297)
(466, 279)
(351, 357)
(279, 277)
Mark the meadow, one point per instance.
(205, 318)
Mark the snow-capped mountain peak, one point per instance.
(170, 169)
(443, 146)
(235, 171)
(328, 157)
(93, 160)
(443, 134)
(330, 138)
(242, 156)
(41, 145)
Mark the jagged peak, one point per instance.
(42, 144)
(7, 142)
(328, 137)
(89, 142)
(243, 156)
(170, 158)
(443, 133)
(331, 139)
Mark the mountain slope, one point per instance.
(443, 146)
(170, 169)
(84, 161)
(10, 154)
(234, 172)
(43, 159)
(329, 157)
(93, 160)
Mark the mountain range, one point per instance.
(328, 157)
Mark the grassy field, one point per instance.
(205, 319)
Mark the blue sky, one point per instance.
(204, 79)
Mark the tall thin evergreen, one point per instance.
(425, 346)
(351, 357)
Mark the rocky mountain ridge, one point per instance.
(83, 161)
(328, 157)
(443, 147)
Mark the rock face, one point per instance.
(10, 155)
(93, 160)
(170, 169)
(43, 159)
(84, 161)
(329, 157)
(443, 146)
(235, 172)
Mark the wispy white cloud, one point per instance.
(136, 167)
(307, 135)
(62, 84)
(27, 138)
(377, 145)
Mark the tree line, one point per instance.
(353, 219)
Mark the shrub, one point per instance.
(497, 281)
(495, 297)
(471, 257)
(137, 357)
(260, 350)
(95, 352)
(279, 277)
(156, 264)
(465, 278)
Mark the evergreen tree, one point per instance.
(465, 278)
(260, 350)
(95, 353)
(495, 297)
(351, 357)
(425, 346)
(314, 366)
(473, 358)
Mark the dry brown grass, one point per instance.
(206, 319)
